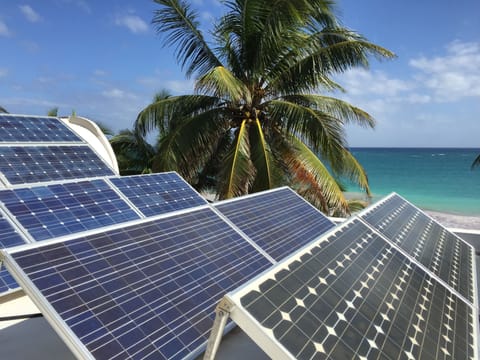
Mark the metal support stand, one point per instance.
(222, 314)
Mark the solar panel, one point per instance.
(439, 250)
(8, 237)
(353, 295)
(14, 128)
(144, 291)
(158, 193)
(279, 221)
(31, 164)
(61, 209)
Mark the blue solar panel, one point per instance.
(61, 209)
(8, 237)
(31, 164)
(353, 295)
(279, 221)
(14, 128)
(158, 193)
(143, 291)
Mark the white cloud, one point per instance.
(132, 22)
(115, 93)
(83, 5)
(30, 14)
(361, 81)
(453, 76)
(4, 30)
(99, 72)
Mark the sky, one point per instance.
(104, 60)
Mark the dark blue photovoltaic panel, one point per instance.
(31, 164)
(279, 221)
(15, 128)
(158, 193)
(353, 295)
(439, 250)
(61, 209)
(143, 291)
(8, 237)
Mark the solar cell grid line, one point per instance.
(352, 295)
(440, 251)
(57, 210)
(22, 128)
(43, 163)
(160, 193)
(9, 236)
(279, 220)
(146, 290)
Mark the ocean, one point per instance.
(438, 179)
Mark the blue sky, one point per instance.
(104, 60)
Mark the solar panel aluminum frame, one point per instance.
(472, 249)
(57, 323)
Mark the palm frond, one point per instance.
(188, 145)
(178, 24)
(163, 113)
(335, 107)
(350, 167)
(323, 132)
(267, 174)
(220, 82)
(476, 162)
(309, 66)
(311, 178)
(238, 172)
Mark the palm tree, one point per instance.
(255, 121)
(135, 154)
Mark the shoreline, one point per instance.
(450, 220)
(455, 221)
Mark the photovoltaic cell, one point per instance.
(158, 193)
(31, 164)
(15, 128)
(8, 237)
(143, 291)
(279, 221)
(352, 295)
(62, 209)
(442, 252)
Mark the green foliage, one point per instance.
(258, 118)
(3, 110)
(53, 112)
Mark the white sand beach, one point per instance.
(456, 221)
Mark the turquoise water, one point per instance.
(435, 179)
